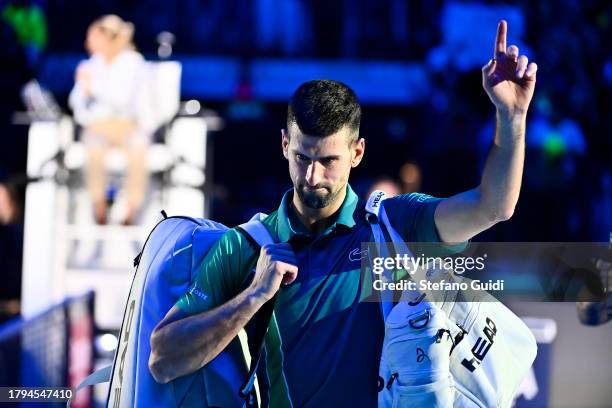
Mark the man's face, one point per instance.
(319, 167)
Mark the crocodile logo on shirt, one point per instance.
(357, 254)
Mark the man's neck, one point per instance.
(317, 220)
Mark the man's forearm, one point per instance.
(502, 175)
(183, 346)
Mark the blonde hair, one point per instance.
(121, 31)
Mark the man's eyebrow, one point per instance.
(331, 157)
(296, 151)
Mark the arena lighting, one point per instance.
(107, 342)
(165, 40)
(192, 107)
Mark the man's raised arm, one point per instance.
(509, 80)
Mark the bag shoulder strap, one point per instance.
(387, 233)
(374, 208)
(373, 205)
(376, 214)
(377, 217)
(389, 243)
(256, 232)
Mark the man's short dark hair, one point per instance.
(322, 107)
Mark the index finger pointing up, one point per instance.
(500, 39)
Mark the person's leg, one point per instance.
(116, 131)
(96, 181)
(137, 177)
(122, 133)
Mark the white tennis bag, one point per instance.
(466, 351)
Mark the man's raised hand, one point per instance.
(509, 79)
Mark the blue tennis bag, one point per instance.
(165, 268)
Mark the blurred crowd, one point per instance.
(436, 146)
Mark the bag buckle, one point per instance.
(420, 321)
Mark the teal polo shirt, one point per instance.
(324, 343)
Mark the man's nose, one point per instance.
(314, 173)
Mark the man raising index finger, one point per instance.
(509, 81)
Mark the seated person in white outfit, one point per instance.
(107, 100)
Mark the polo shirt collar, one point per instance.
(289, 226)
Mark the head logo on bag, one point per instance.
(377, 199)
(126, 339)
(482, 346)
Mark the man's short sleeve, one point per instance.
(219, 276)
(413, 217)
